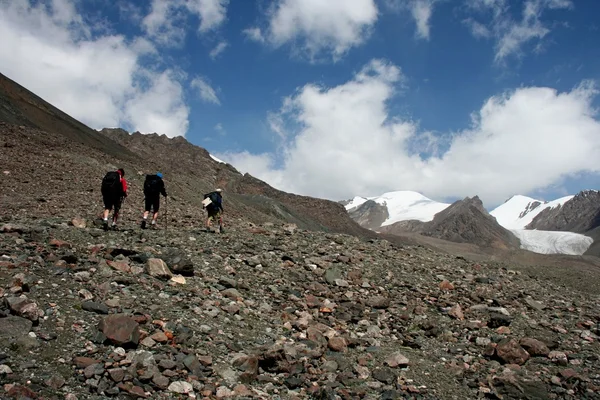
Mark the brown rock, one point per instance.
(205, 360)
(511, 352)
(378, 302)
(59, 243)
(116, 374)
(456, 312)
(122, 266)
(132, 390)
(78, 223)
(397, 360)
(161, 381)
(315, 335)
(160, 337)
(534, 347)
(120, 330)
(157, 268)
(337, 343)
(84, 362)
(446, 285)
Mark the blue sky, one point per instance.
(333, 99)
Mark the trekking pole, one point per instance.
(166, 212)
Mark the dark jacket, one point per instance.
(158, 189)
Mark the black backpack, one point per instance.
(152, 185)
(111, 183)
(215, 199)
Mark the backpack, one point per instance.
(215, 200)
(111, 183)
(152, 185)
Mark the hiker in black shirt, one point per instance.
(153, 188)
(214, 209)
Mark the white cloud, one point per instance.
(212, 12)
(254, 34)
(159, 107)
(510, 35)
(421, 11)
(166, 21)
(347, 143)
(220, 130)
(317, 27)
(98, 79)
(219, 48)
(205, 90)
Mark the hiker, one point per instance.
(154, 186)
(214, 208)
(114, 191)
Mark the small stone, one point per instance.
(181, 387)
(161, 381)
(379, 302)
(148, 342)
(160, 337)
(94, 307)
(534, 347)
(337, 343)
(223, 392)
(5, 370)
(511, 352)
(397, 360)
(117, 374)
(446, 285)
(120, 330)
(55, 382)
(483, 341)
(157, 268)
(83, 362)
(178, 279)
(232, 294)
(456, 312)
(78, 223)
(536, 305)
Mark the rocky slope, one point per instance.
(581, 214)
(464, 221)
(272, 311)
(370, 215)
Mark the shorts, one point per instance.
(110, 201)
(214, 215)
(152, 202)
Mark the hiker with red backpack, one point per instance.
(154, 186)
(213, 203)
(114, 191)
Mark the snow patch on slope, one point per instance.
(553, 242)
(403, 205)
(216, 159)
(355, 202)
(519, 211)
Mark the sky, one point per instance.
(336, 98)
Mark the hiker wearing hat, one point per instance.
(213, 203)
(153, 188)
(114, 190)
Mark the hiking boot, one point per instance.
(105, 225)
(143, 225)
(115, 228)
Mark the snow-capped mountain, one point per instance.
(401, 206)
(518, 211)
(405, 211)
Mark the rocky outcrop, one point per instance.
(581, 214)
(369, 215)
(467, 221)
(464, 221)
